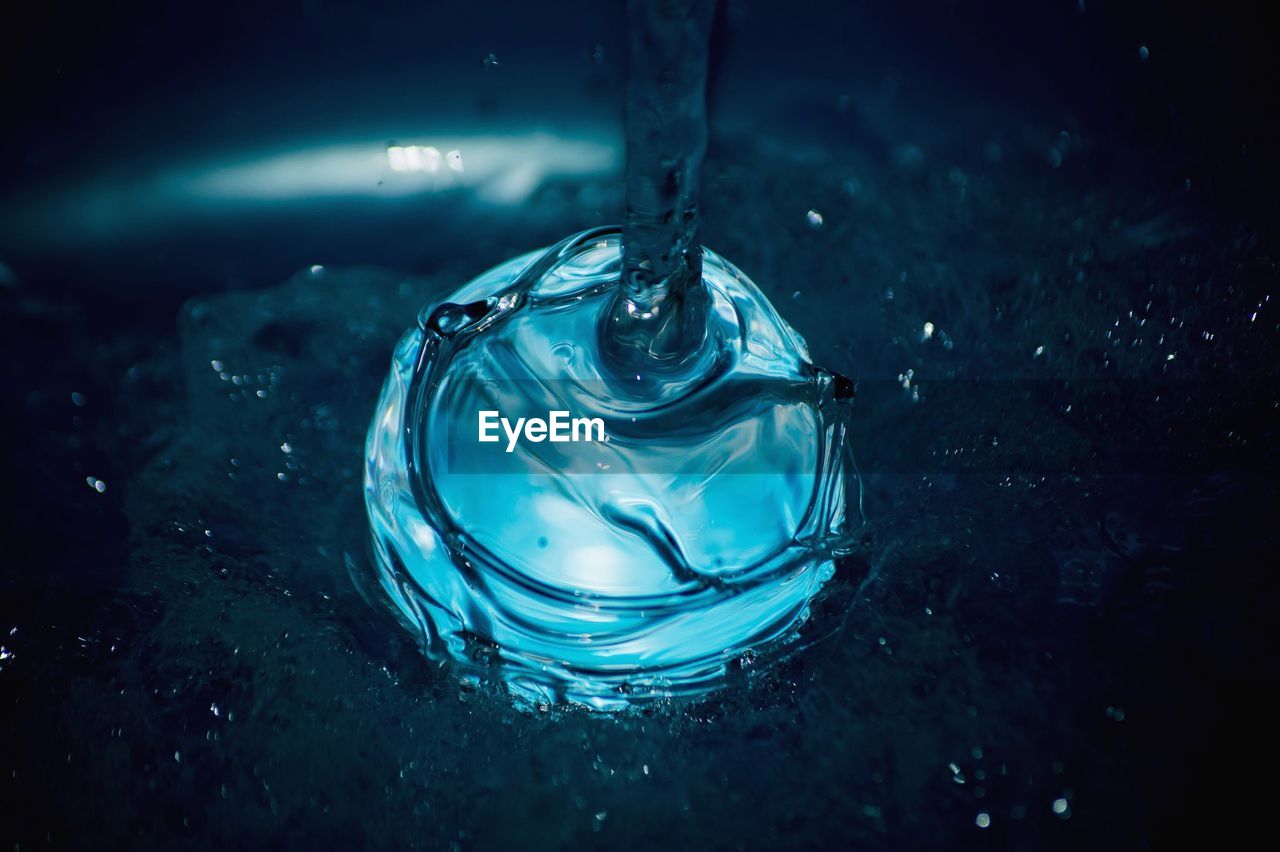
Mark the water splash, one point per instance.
(604, 573)
(702, 524)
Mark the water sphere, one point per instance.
(603, 472)
(604, 572)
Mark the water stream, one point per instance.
(696, 529)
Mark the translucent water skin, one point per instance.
(612, 573)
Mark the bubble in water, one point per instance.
(604, 572)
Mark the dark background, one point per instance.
(1014, 172)
(92, 92)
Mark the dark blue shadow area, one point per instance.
(1039, 238)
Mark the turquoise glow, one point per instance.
(610, 573)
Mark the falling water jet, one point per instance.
(642, 566)
(659, 315)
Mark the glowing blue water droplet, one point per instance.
(604, 572)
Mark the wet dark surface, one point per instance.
(1056, 633)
